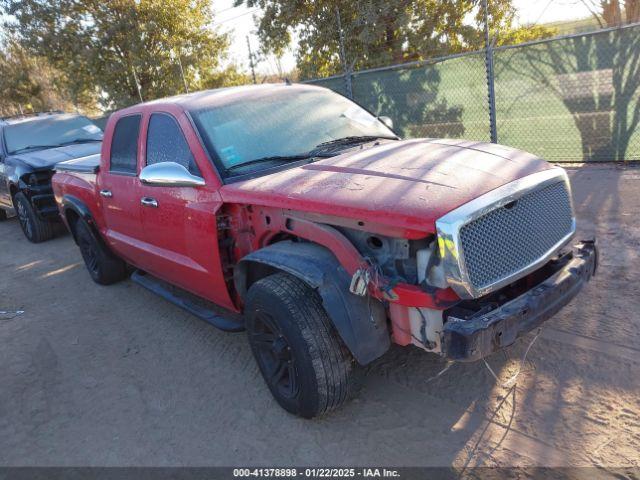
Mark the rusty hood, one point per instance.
(407, 184)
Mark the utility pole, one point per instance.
(343, 57)
(490, 75)
(253, 70)
(184, 80)
(135, 78)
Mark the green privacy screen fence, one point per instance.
(567, 99)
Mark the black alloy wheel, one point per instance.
(303, 360)
(88, 250)
(104, 267)
(23, 218)
(274, 354)
(36, 229)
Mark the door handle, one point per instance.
(149, 202)
(106, 193)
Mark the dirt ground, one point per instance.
(106, 376)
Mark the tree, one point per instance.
(377, 32)
(112, 48)
(383, 32)
(30, 83)
(596, 76)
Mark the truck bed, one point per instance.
(89, 164)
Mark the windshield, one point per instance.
(50, 131)
(285, 123)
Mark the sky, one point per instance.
(545, 11)
(239, 23)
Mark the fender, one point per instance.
(361, 322)
(70, 202)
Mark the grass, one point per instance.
(529, 115)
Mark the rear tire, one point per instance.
(103, 266)
(3, 215)
(304, 362)
(34, 228)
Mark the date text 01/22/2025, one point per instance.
(316, 472)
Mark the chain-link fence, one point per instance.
(569, 99)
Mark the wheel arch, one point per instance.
(74, 209)
(361, 322)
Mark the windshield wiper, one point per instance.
(31, 147)
(70, 142)
(80, 140)
(353, 140)
(318, 151)
(275, 158)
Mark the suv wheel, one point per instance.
(35, 229)
(303, 360)
(103, 266)
(3, 215)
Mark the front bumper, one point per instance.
(470, 340)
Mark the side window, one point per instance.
(166, 143)
(124, 146)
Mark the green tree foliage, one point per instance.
(109, 48)
(383, 32)
(30, 83)
(378, 32)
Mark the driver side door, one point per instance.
(179, 222)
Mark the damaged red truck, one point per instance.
(298, 209)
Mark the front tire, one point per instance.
(302, 359)
(34, 228)
(103, 266)
(3, 215)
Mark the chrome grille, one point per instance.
(508, 239)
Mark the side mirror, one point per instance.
(387, 121)
(169, 174)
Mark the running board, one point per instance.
(202, 313)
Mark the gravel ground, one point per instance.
(114, 376)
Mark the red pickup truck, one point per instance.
(315, 228)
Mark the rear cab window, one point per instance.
(124, 146)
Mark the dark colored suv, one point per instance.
(30, 147)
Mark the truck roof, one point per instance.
(220, 96)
